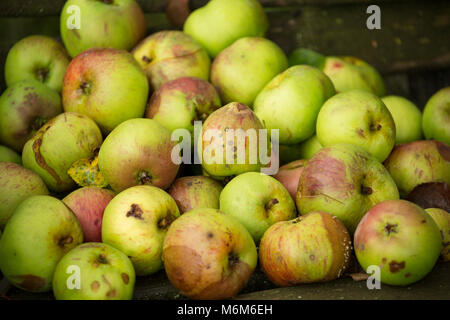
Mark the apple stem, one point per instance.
(41, 74)
(65, 240)
(145, 178)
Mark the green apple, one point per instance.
(180, 102)
(41, 230)
(136, 222)
(291, 102)
(100, 82)
(9, 155)
(118, 24)
(442, 219)
(418, 162)
(57, 145)
(169, 55)
(24, 107)
(17, 184)
(346, 181)
(104, 272)
(242, 70)
(195, 192)
(221, 22)
(407, 118)
(400, 238)
(311, 248)
(257, 201)
(39, 58)
(309, 147)
(360, 118)
(138, 151)
(229, 141)
(208, 255)
(436, 116)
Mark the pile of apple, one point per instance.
(90, 196)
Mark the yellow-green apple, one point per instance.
(442, 219)
(291, 102)
(104, 272)
(86, 24)
(309, 147)
(431, 195)
(88, 205)
(169, 55)
(39, 58)
(138, 152)
(39, 233)
(24, 107)
(229, 141)
(360, 118)
(257, 201)
(407, 118)
(346, 72)
(289, 175)
(242, 70)
(17, 184)
(418, 162)
(180, 102)
(401, 239)
(107, 85)
(346, 181)
(194, 192)
(58, 144)
(9, 155)
(208, 255)
(436, 116)
(311, 248)
(221, 22)
(136, 222)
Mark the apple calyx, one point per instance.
(366, 190)
(41, 74)
(135, 212)
(233, 260)
(86, 87)
(145, 178)
(65, 240)
(390, 228)
(269, 205)
(375, 127)
(102, 259)
(146, 59)
(165, 222)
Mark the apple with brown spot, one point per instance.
(311, 248)
(431, 195)
(419, 162)
(289, 175)
(88, 205)
(195, 192)
(208, 255)
(105, 273)
(400, 238)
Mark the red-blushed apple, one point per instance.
(289, 175)
(208, 255)
(17, 184)
(86, 24)
(195, 192)
(169, 55)
(24, 108)
(431, 195)
(39, 58)
(88, 205)
(436, 116)
(57, 145)
(104, 272)
(180, 102)
(40, 232)
(312, 248)
(360, 118)
(442, 219)
(257, 201)
(346, 181)
(107, 85)
(418, 162)
(136, 222)
(138, 152)
(401, 239)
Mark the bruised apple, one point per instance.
(208, 255)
